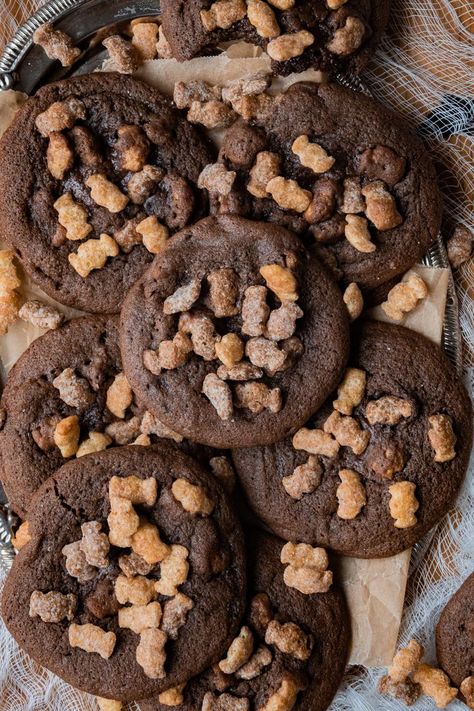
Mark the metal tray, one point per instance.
(25, 67)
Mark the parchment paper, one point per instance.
(375, 589)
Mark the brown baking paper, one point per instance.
(375, 589)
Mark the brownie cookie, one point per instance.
(65, 397)
(219, 336)
(341, 171)
(140, 525)
(455, 640)
(95, 171)
(330, 35)
(380, 463)
(293, 647)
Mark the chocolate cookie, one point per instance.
(235, 335)
(293, 644)
(341, 171)
(380, 463)
(455, 638)
(95, 171)
(146, 526)
(331, 35)
(65, 397)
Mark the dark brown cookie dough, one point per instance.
(455, 635)
(214, 264)
(409, 383)
(210, 590)
(331, 35)
(360, 142)
(86, 352)
(322, 617)
(106, 125)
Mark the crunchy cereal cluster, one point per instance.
(307, 568)
(9, 298)
(404, 297)
(56, 44)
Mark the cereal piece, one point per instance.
(407, 691)
(144, 39)
(223, 14)
(265, 354)
(282, 4)
(175, 612)
(442, 437)
(86, 147)
(223, 471)
(124, 56)
(255, 310)
(316, 442)
(224, 702)
(306, 569)
(142, 441)
(150, 654)
(154, 234)
(223, 292)
(152, 425)
(123, 522)
(124, 431)
(351, 391)
(60, 115)
(347, 38)
(467, 690)
(163, 47)
(354, 301)
(136, 591)
(347, 432)
(136, 490)
(94, 544)
(147, 543)
(288, 194)
(350, 494)
(170, 354)
(174, 571)
(260, 612)
(96, 442)
(22, 536)
(282, 322)
(288, 46)
(305, 479)
(203, 334)
(76, 564)
(40, 315)
(381, 208)
(106, 194)
(239, 652)
(262, 17)
(219, 395)
(183, 298)
(290, 639)
(73, 390)
(132, 147)
(258, 397)
(192, 498)
(241, 371)
(211, 114)
(108, 704)
(185, 93)
(119, 396)
(254, 667)
(9, 299)
(250, 85)
(405, 661)
(92, 639)
(59, 155)
(435, 683)
(66, 436)
(173, 696)
(403, 504)
(216, 179)
(57, 44)
(388, 410)
(284, 698)
(142, 184)
(255, 108)
(140, 617)
(93, 254)
(353, 201)
(73, 217)
(133, 564)
(52, 606)
(459, 246)
(265, 168)
(127, 237)
(404, 297)
(230, 350)
(312, 155)
(281, 281)
(357, 234)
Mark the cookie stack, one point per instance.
(222, 374)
